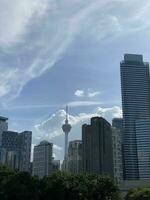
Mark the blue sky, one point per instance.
(58, 52)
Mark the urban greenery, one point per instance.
(138, 194)
(59, 186)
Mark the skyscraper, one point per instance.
(25, 143)
(117, 154)
(75, 156)
(135, 85)
(16, 149)
(42, 159)
(97, 147)
(118, 123)
(3, 127)
(117, 134)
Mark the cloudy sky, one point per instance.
(58, 52)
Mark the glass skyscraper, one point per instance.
(135, 84)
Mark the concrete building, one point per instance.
(117, 154)
(13, 160)
(117, 132)
(135, 85)
(75, 156)
(42, 159)
(97, 147)
(16, 150)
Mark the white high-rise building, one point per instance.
(42, 159)
(75, 156)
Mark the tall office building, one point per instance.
(42, 159)
(55, 165)
(143, 147)
(135, 85)
(3, 127)
(117, 132)
(25, 147)
(16, 150)
(75, 156)
(118, 123)
(97, 147)
(117, 154)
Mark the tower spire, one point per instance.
(67, 113)
(66, 127)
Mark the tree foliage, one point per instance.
(60, 185)
(138, 194)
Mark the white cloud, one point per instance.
(83, 103)
(31, 40)
(93, 94)
(50, 129)
(79, 93)
(87, 93)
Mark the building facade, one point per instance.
(75, 156)
(16, 150)
(97, 154)
(118, 123)
(117, 154)
(142, 127)
(135, 85)
(42, 159)
(55, 165)
(3, 127)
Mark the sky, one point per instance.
(58, 52)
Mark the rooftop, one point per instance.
(134, 59)
(3, 118)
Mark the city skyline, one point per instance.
(36, 57)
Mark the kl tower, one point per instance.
(66, 129)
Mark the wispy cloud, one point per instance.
(87, 93)
(83, 103)
(31, 40)
(79, 93)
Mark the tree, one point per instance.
(66, 186)
(138, 194)
(20, 186)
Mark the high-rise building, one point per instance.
(97, 147)
(118, 123)
(55, 165)
(143, 147)
(16, 150)
(117, 154)
(135, 85)
(75, 156)
(3, 127)
(42, 159)
(25, 143)
(117, 134)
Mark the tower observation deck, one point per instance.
(66, 129)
